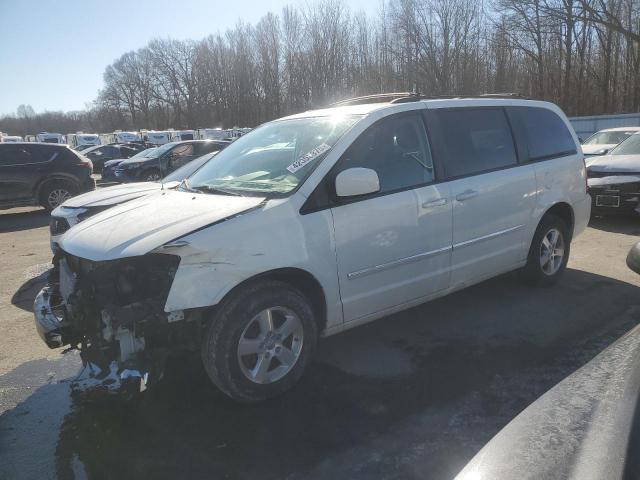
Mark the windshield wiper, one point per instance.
(215, 190)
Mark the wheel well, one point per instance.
(565, 212)
(57, 178)
(301, 280)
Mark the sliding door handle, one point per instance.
(467, 195)
(434, 203)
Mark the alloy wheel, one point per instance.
(57, 197)
(551, 252)
(270, 345)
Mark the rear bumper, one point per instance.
(627, 203)
(88, 185)
(48, 325)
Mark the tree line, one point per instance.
(583, 55)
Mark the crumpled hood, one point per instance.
(137, 227)
(614, 163)
(104, 197)
(591, 149)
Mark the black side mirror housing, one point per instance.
(633, 258)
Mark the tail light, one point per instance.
(85, 162)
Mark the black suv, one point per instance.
(101, 153)
(41, 174)
(164, 160)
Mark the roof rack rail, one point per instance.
(406, 97)
(376, 98)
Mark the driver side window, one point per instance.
(397, 149)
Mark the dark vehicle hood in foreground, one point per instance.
(584, 428)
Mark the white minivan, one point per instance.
(313, 224)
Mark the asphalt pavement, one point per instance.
(413, 395)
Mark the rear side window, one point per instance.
(182, 150)
(24, 155)
(207, 147)
(127, 152)
(15, 155)
(544, 132)
(475, 140)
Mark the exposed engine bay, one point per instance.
(113, 312)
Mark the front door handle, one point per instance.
(434, 203)
(466, 195)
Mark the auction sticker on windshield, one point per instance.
(307, 157)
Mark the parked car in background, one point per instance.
(165, 159)
(10, 138)
(79, 208)
(155, 137)
(75, 140)
(82, 148)
(316, 223)
(179, 135)
(41, 174)
(101, 153)
(614, 179)
(600, 143)
(109, 167)
(46, 137)
(119, 137)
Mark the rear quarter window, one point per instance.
(26, 154)
(544, 133)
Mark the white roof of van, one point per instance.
(367, 108)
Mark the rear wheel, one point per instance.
(260, 341)
(55, 193)
(549, 252)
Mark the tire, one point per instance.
(541, 270)
(237, 321)
(55, 193)
(150, 175)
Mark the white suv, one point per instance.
(313, 224)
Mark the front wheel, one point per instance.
(260, 341)
(55, 193)
(549, 252)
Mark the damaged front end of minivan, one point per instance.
(113, 312)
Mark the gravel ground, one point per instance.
(414, 395)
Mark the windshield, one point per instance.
(148, 153)
(91, 149)
(631, 146)
(608, 138)
(159, 151)
(186, 170)
(274, 158)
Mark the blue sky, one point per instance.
(53, 53)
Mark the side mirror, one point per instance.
(633, 258)
(581, 140)
(357, 181)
